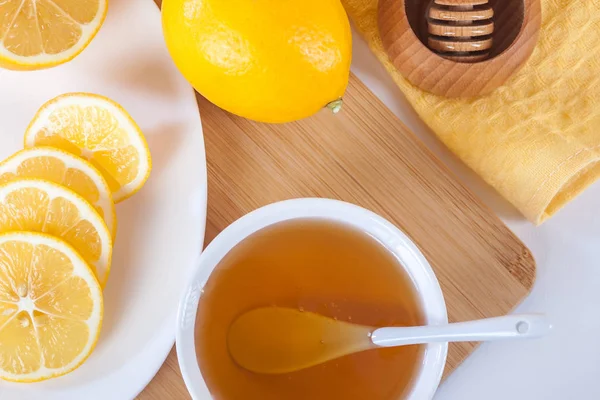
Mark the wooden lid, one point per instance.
(458, 77)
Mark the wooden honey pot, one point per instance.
(459, 48)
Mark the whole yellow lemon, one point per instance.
(267, 60)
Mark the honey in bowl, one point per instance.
(320, 266)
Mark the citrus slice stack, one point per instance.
(65, 169)
(99, 130)
(58, 221)
(51, 308)
(42, 206)
(36, 34)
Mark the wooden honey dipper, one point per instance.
(460, 30)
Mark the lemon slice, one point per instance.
(36, 34)
(99, 130)
(67, 170)
(51, 307)
(42, 206)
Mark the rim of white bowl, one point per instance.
(419, 270)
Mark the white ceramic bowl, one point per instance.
(392, 238)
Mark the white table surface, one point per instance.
(565, 365)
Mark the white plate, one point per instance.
(161, 230)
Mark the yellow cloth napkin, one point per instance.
(536, 140)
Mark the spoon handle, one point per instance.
(507, 327)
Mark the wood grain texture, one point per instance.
(404, 32)
(366, 156)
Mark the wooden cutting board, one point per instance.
(364, 155)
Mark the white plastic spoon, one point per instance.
(275, 340)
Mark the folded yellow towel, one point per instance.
(536, 139)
